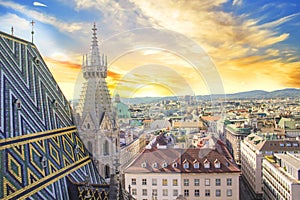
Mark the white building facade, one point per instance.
(281, 177)
(165, 174)
(254, 148)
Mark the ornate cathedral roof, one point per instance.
(39, 144)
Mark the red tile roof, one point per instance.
(152, 157)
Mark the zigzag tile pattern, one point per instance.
(39, 143)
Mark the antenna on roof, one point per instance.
(32, 32)
(12, 31)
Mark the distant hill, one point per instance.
(254, 94)
(259, 94)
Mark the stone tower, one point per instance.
(95, 118)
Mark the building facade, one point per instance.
(206, 173)
(234, 135)
(281, 177)
(253, 150)
(95, 117)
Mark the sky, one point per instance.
(167, 47)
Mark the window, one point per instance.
(144, 192)
(144, 164)
(18, 104)
(133, 181)
(186, 193)
(134, 191)
(175, 193)
(229, 181)
(165, 192)
(196, 165)
(164, 165)
(281, 144)
(107, 171)
(144, 181)
(165, 182)
(207, 182)
(105, 148)
(197, 193)
(217, 164)
(154, 165)
(186, 165)
(186, 182)
(207, 193)
(154, 181)
(206, 164)
(196, 182)
(295, 144)
(229, 192)
(174, 165)
(288, 144)
(90, 147)
(218, 193)
(154, 192)
(175, 182)
(218, 182)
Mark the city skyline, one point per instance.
(248, 45)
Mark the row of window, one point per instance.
(186, 164)
(186, 193)
(186, 182)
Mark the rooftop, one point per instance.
(172, 160)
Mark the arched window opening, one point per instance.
(90, 147)
(107, 171)
(106, 148)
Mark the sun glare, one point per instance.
(153, 90)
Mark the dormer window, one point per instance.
(217, 164)
(206, 164)
(144, 164)
(37, 61)
(174, 165)
(154, 165)
(18, 104)
(164, 165)
(196, 164)
(54, 103)
(185, 164)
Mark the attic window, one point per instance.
(217, 164)
(154, 165)
(18, 104)
(206, 164)
(37, 61)
(164, 165)
(54, 103)
(144, 164)
(174, 165)
(44, 161)
(196, 164)
(185, 164)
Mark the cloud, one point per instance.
(242, 47)
(237, 2)
(47, 19)
(280, 21)
(39, 4)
